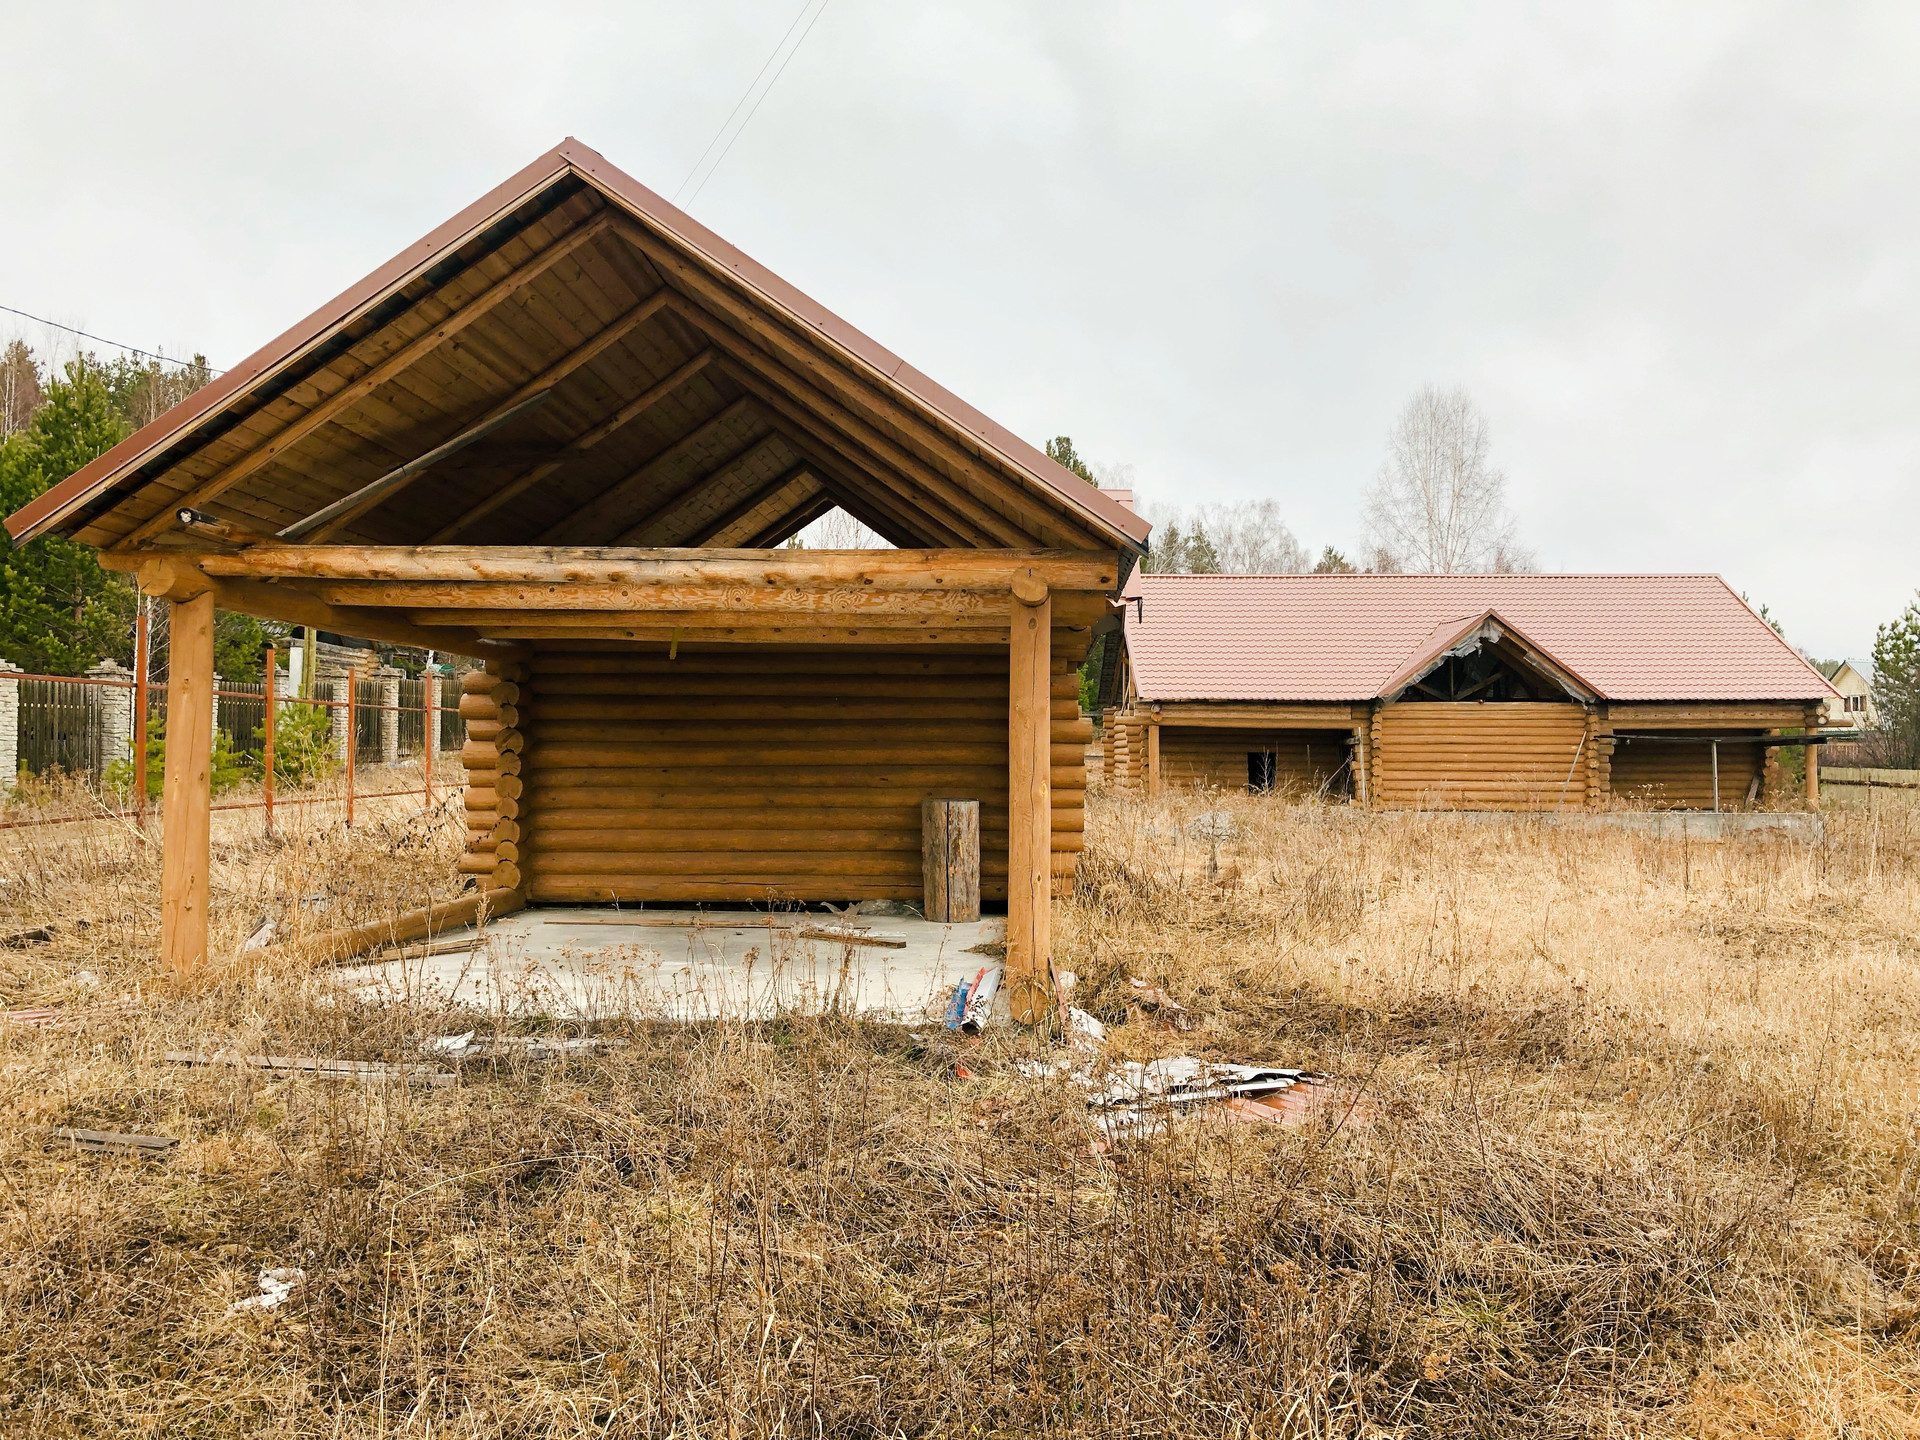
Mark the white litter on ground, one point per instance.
(275, 1288)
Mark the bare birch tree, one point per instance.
(1439, 505)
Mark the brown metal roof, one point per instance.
(1357, 637)
(244, 410)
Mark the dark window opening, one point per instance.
(1478, 676)
(1261, 771)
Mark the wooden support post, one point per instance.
(142, 662)
(1029, 803)
(1153, 758)
(186, 799)
(266, 733)
(353, 734)
(950, 861)
(1813, 777)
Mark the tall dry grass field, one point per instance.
(1629, 1150)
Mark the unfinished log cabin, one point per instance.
(1463, 692)
(568, 433)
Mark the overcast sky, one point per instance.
(1671, 249)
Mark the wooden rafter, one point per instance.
(795, 520)
(607, 336)
(402, 359)
(664, 524)
(716, 531)
(604, 507)
(575, 448)
(735, 315)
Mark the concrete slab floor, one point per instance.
(590, 963)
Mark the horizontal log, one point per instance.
(558, 843)
(1258, 716)
(488, 730)
(475, 862)
(1071, 732)
(507, 787)
(861, 601)
(1064, 864)
(762, 866)
(176, 578)
(771, 710)
(750, 796)
(590, 890)
(608, 565)
(558, 753)
(479, 682)
(509, 741)
(691, 689)
(485, 755)
(584, 659)
(537, 632)
(513, 670)
(421, 924)
(507, 850)
(695, 625)
(548, 779)
(482, 821)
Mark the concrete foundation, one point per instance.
(589, 963)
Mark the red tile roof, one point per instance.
(1346, 637)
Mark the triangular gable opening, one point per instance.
(1485, 660)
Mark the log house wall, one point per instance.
(1215, 757)
(1475, 755)
(752, 772)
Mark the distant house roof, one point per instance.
(1353, 637)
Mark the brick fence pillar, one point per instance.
(9, 725)
(341, 739)
(115, 709)
(389, 679)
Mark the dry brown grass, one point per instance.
(1638, 1159)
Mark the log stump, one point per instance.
(950, 860)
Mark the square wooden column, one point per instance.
(1029, 803)
(186, 799)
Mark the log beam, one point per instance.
(609, 565)
(174, 578)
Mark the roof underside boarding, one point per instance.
(1297, 638)
(578, 363)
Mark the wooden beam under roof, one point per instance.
(564, 565)
(604, 506)
(712, 301)
(716, 530)
(608, 335)
(333, 405)
(662, 525)
(835, 425)
(988, 603)
(575, 447)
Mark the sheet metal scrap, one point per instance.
(1145, 1093)
(149, 1147)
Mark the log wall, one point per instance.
(1472, 755)
(1216, 758)
(747, 773)
(1659, 774)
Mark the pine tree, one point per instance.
(59, 611)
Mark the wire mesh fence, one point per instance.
(355, 738)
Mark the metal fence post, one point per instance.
(9, 725)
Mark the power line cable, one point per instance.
(102, 340)
(805, 5)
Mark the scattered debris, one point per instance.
(972, 1004)
(529, 1047)
(276, 1287)
(890, 909)
(364, 1070)
(1153, 1000)
(105, 1141)
(1145, 1092)
(39, 1017)
(877, 939)
(46, 1019)
(1082, 1029)
(264, 934)
(1213, 825)
(38, 935)
(426, 950)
